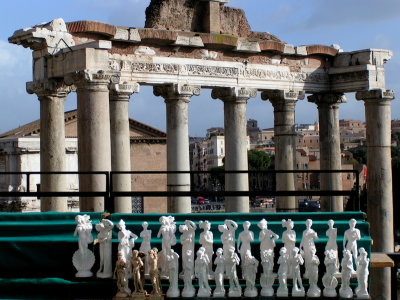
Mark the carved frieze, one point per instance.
(92, 80)
(375, 95)
(350, 77)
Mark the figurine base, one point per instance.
(121, 296)
(363, 296)
(347, 293)
(234, 293)
(282, 294)
(250, 293)
(314, 293)
(104, 275)
(331, 293)
(155, 297)
(267, 292)
(188, 292)
(298, 293)
(173, 293)
(84, 274)
(219, 293)
(138, 296)
(204, 293)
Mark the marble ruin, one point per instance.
(185, 47)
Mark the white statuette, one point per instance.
(206, 240)
(314, 291)
(219, 274)
(328, 280)
(250, 273)
(232, 260)
(289, 242)
(307, 245)
(267, 237)
(350, 238)
(167, 231)
(188, 271)
(267, 277)
(104, 238)
(173, 266)
(126, 243)
(228, 230)
(83, 258)
(121, 274)
(187, 241)
(145, 246)
(245, 238)
(283, 263)
(200, 270)
(345, 290)
(331, 245)
(362, 275)
(295, 262)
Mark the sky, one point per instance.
(352, 24)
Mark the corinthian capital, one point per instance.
(93, 80)
(177, 91)
(123, 91)
(282, 97)
(375, 95)
(49, 88)
(234, 94)
(328, 99)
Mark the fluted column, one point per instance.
(94, 145)
(177, 98)
(284, 103)
(52, 95)
(379, 181)
(329, 145)
(120, 142)
(235, 122)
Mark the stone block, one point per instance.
(301, 50)
(272, 46)
(189, 41)
(246, 46)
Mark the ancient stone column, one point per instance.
(235, 122)
(177, 98)
(329, 145)
(94, 145)
(52, 95)
(379, 181)
(284, 103)
(120, 142)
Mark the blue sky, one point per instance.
(353, 24)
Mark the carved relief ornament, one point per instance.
(327, 99)
(375, 95)
(49, 88)
(177, 91)
(234, 94)
(92, 80)
(280, 99)
(123, 91)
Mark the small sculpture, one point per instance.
(228, 235)
(104, 238)
(145, 246)
(267, 277)
(126, 243)
(167, 231)
(173, 265)
(243, 243)
(362, 275)
(307, 245)
(206, 240)
(250, 274)
(314, 291)
(121, 274)
(331, 245)
(283, 263)
(328, 280)
(154, 273)
(295, 261)
(267, 237)
(201, 265)
(289, 242)
(83, 258)
(345, 290)
(137, 270)
(187, 240)
(350, 238)
(231, 261)
(188, 289)
(219, 291)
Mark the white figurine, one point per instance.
(145, 246)
(307, 245)
(121, 274)
(250, 274)
(295, 262)
(289, 242)
(231, 261)
(187, 240)
(201, 265)
(314, 291)
(188, 289)
(245, 238)
(173, 265)
(331, 245)
(283, 263)
(228, 230)
(126, 243)
(350, 238)
(362, 275)
(219, 291)
(345, 290)
(267, 237)
(328, 280)
(206, 240)
(83, 258)
(267, 277)
(104, 238)
(167, 231)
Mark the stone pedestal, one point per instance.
(52, 95)
(284, 103)
(120, 142)
(94, 146)
(379, 182)
(329, 145)
(235, 122)
(177, 98)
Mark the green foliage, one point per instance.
(360, 154)
(217, 175)
(258, 160)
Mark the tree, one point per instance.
(258, 160)
(360, 154)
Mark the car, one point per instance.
(202, 200)
(309, 205)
